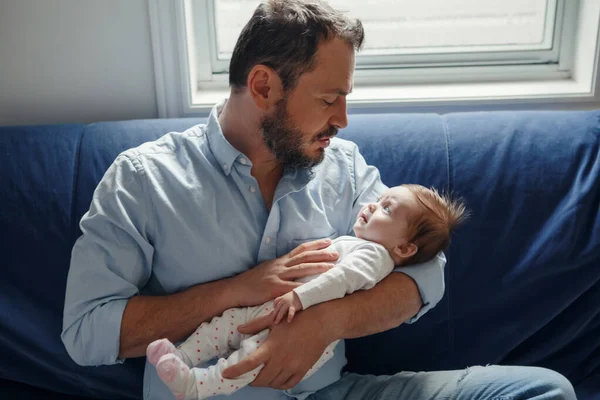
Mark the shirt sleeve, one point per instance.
(429, 277)
(109, 263)
(362, 269)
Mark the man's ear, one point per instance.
(405, 250)
(265, 87)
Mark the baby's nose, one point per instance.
(372, 207)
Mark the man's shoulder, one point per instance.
(168, 147)
(342, 146)
(339, 154)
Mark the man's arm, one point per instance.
(147, 318)
(393, 301)
(110, 263)
(390, 303)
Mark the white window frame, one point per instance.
(547, 52)
(187, 85)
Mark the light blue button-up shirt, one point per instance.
(184, 210)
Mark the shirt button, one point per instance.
(252, 189)
(224, 166)
(268, 240)
(243, 161)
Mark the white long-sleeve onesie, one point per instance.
(360, 266)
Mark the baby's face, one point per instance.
(386, 222)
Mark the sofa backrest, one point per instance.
(523, 274)
(523, 277)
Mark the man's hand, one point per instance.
(288, 304)
(276, 277)
(288, 353)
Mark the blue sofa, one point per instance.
(522, 281)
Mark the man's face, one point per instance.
(308, 116)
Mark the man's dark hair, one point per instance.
(284, 35)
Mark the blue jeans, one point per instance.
(490, 383)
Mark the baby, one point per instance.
(409, 224)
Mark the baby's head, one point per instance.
(412, 222)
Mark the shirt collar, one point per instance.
(226, 154)
(223, 151)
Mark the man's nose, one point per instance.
(340, 118)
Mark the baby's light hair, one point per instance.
(430, 231)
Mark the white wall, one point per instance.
(64, 61)
(75, 61)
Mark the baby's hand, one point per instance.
(288, 304)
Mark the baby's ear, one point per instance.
(406, 250)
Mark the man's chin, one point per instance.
(317, 161)
(319, 157)
(308, 160)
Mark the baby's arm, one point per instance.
(362, 269)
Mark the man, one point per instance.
(176, 227)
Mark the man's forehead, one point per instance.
(334, 67)
(332, 79)
(333, 84)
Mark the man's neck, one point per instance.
(240, 123)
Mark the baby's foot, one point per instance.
(159, 348)
(176, 375)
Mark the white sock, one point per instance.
(177, 376)
(161, 347)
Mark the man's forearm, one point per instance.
(391, 302)
(147, 318)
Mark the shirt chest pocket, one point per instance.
(310, 236)
(310, 215)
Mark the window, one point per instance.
(417, 33)
(415, 51)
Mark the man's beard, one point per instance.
(286, 141)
